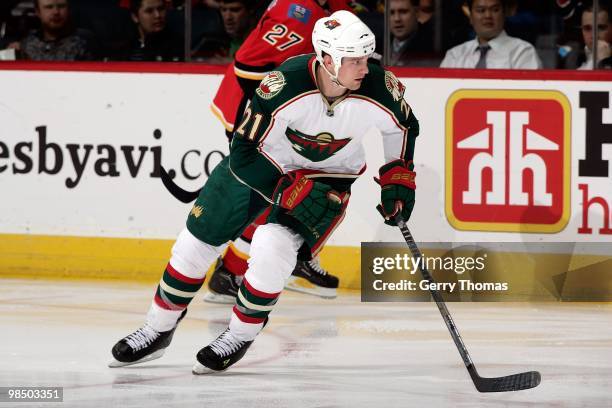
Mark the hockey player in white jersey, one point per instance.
(296, 154)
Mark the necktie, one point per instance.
(482, 61)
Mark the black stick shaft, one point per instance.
(450, 324)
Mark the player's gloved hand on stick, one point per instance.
(397, 190)
(311, 203)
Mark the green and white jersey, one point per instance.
(291, 126)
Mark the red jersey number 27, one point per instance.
(282, 38)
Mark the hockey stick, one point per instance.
(178, 193)
(514, 382)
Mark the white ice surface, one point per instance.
(313, 353)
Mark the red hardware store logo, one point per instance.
(508, 160)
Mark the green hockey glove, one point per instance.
(397, 190)
(311, 203)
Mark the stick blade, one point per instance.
(183, 196)
(515, 382)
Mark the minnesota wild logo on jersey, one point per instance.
(315, 148)
(394, 86)
(286, 126)
(271, 85)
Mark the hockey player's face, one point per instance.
(352, 71)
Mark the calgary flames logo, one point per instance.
(315, 148)
(271, 85)
(331, 24)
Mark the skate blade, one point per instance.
(200, 369)
(153, 356)
(218, 298)
(304, 286)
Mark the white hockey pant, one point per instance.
(273, 257)
(190, 260)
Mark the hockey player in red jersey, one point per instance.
(284, 31)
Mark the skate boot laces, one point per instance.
(315, 264)
(142, 337)
(226, 344)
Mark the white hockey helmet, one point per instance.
(340, 35)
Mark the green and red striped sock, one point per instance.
(176, 290)
(252, 305)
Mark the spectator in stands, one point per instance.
(56, 39)
(604, 42)
(408, 36)
(215, 4)
(238, 18)
(5, 53)
(426, 11)
(492, 47)
(569, 39)
(5, 15)
(126, 3)
(151, 41)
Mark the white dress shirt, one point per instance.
(588, 64)
(506, 52)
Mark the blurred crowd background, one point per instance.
(420, 32)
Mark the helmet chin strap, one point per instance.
(334, 78)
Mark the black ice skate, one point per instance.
(223, 285)
(219, 355)
(145, 344)
(311, 278)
